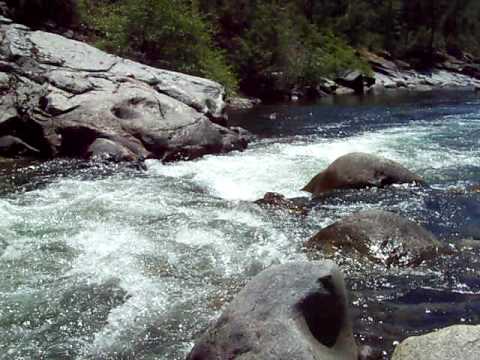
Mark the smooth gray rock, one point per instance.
(110, 150)
(72, 94)
(360, 170)
(294, 311)
(454, 342)
(380, 236)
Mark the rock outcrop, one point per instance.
(355, 80)
(61, 96)
(395, 74)
(380, 236)
(359, 170)
(454, 342)
(294, 311)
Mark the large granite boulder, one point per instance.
(360, 170)
(294, 311)
(454, 342)
(60, 95)
(380, 236)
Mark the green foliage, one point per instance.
(271, 44)
(266, 42)
(164, 33)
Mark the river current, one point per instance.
(114, 263)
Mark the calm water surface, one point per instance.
(102, 263)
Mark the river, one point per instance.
(116, 263)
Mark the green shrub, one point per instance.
(163, 33)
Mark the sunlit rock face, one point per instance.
(60, 95)
(454, 342)
(292, 311)
(360, 170)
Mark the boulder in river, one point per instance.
(360, 170)
(279, 201)
(454, 342)
(293, 311)
(60, 95)
(380, 236)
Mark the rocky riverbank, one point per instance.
(390, 74)
(64, 98)
(387, 75)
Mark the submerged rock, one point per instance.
(360, 170)
(64, 95)
(279, 201)
(454, 342)
(293, 311)
(380, 236)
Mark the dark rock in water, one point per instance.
(360, 170)
(380, 236)
(293, 311)
(10, 146)
(352, 80)
(355, 80)
(390, 309)
(62, 95)
(279, 201)
(454, 342)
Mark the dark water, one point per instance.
(121, 264)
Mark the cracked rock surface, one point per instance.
(66, 98)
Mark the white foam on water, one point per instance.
(287, 167)
(240, 217)
(214, 232)
(8, 214)
(113, 251)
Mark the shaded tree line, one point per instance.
(260, 45)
